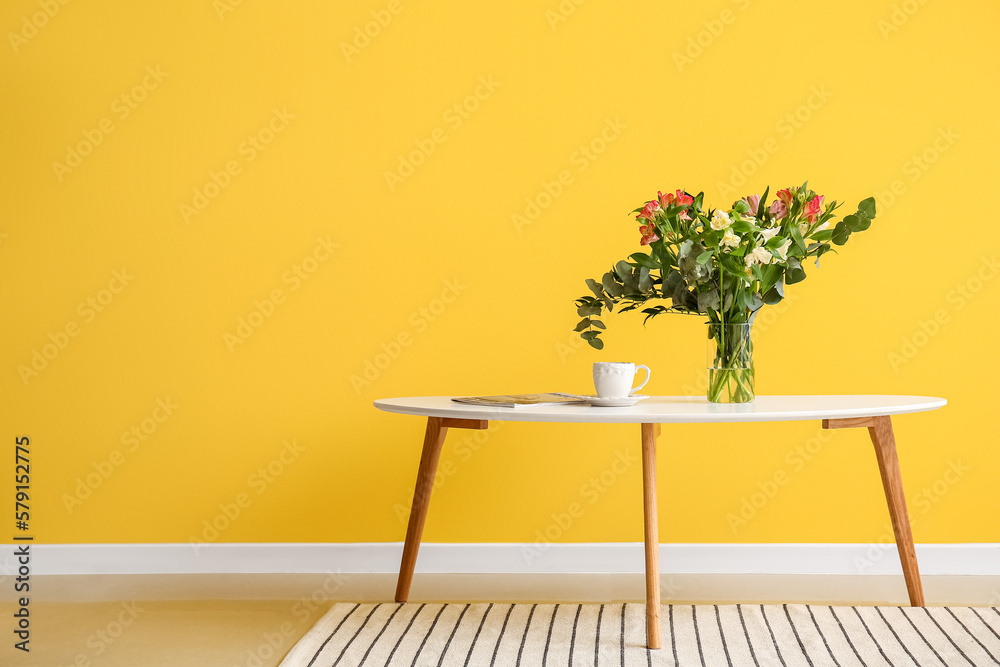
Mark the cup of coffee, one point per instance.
(613, 379)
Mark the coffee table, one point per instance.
(871, 412)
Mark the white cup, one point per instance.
(614, 379)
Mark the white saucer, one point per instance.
(625, 402)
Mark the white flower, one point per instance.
(759, 256)
(720, 220)
(768, 234)
(730, 239)
(782, 250)
(823, 226)
(804, 228)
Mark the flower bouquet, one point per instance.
(723, 264)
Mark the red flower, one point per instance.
(648, 234)
(650, 210)
(679, 198)
(813, 208)
(786, 197)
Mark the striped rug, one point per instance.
(503, 635)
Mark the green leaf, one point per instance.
(742, 227)
(623, 270)
(794, 273)
(645, 283)
(597, 324)
(774, 242)
(704, 257)
(596, 343)
(851, 222)
(763, 203)
(610, 286)
(841, 233)
(590, 335)
(775, 294)
(708, 300)
(822, 235)
(867, 206)
(642, 259)
(595, 287)
(796, 235)
(587, 311)
(583, 324)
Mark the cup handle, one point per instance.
(648, 374)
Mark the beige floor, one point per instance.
(253, 620)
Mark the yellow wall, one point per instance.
(298, 124)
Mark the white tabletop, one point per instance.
(675, 409)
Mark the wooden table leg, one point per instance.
(652, 534)
(437, 429)
(433, 439)
(888, 466)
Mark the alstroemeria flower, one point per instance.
(786, 196)
(678, 198)
(648, 234)
(720, 220)
(778, 209)
(730, 239)
(782, 250)
(758, 256)
(753, 201)
(684, 215)
(813, 208)
(650, 210)
(769, 234)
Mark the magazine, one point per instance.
(522, 400)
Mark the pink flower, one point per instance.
(753, 201)
(786, 196)
(778, 209)
(648, 234)
(650, 210)
(813, 208)
(684, 215)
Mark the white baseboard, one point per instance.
(507, 558)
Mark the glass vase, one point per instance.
(730, 363)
